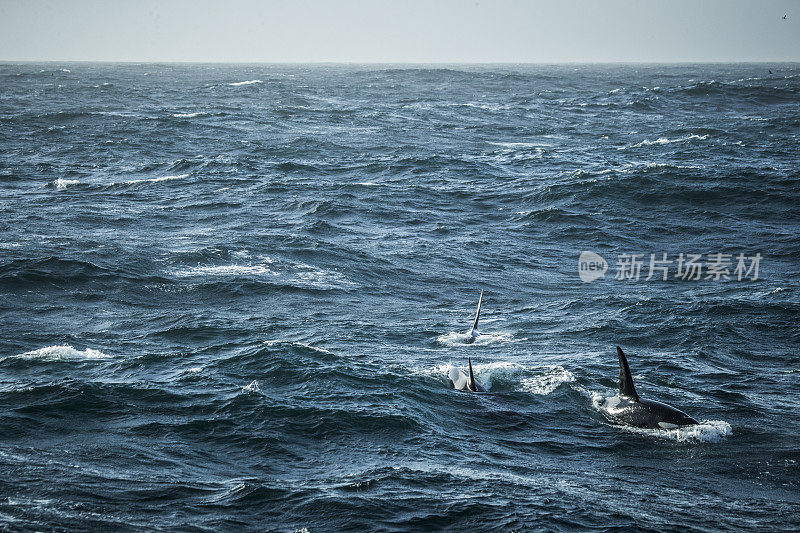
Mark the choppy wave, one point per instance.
(487, 374)
(62, 183)
(457, 338)
(252, 387)
(191, 115)
(511, 376)
(706, 431)
(62, 353)
(231, 268)
(665, 140)
(152, 180)
(225, 270)
(270, 271)
(549, 380)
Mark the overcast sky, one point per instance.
(406, 31)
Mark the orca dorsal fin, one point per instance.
(471, 383)
(477, 313)
(626, 387)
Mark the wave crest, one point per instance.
(153, 180)
(664, 140)
(541, 380)
(190, 115)
(548, 381)
(705, 431)
(63, 352)
(456, 338)
(62, 184)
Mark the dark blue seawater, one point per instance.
(230, 296)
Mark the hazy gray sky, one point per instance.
(400, 31)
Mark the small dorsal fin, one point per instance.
(626, 387)
(477, 313)
(471, 383)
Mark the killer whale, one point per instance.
(473, 334)
(462, 381)
(629, 409)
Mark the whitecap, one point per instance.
(486, 374)
(296, 275)
(478, 105)
(665, 140)
(773, 291)
(225, 270)
(548, 381)
(190, 115)
(278, 342)
(653, 164)
(241, 254)
(248, 82)
(154, 180)
(252, 387)
(456, 338)
(313, 348)
(62, 184)
(540, 380)
(62, 353)
(518, 144)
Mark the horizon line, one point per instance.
(202, 62)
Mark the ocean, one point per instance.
(230, 296)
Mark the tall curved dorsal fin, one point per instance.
(626, 387)
(478, 312)
(471, 383)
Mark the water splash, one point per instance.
(252, 388)
(707, 431)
